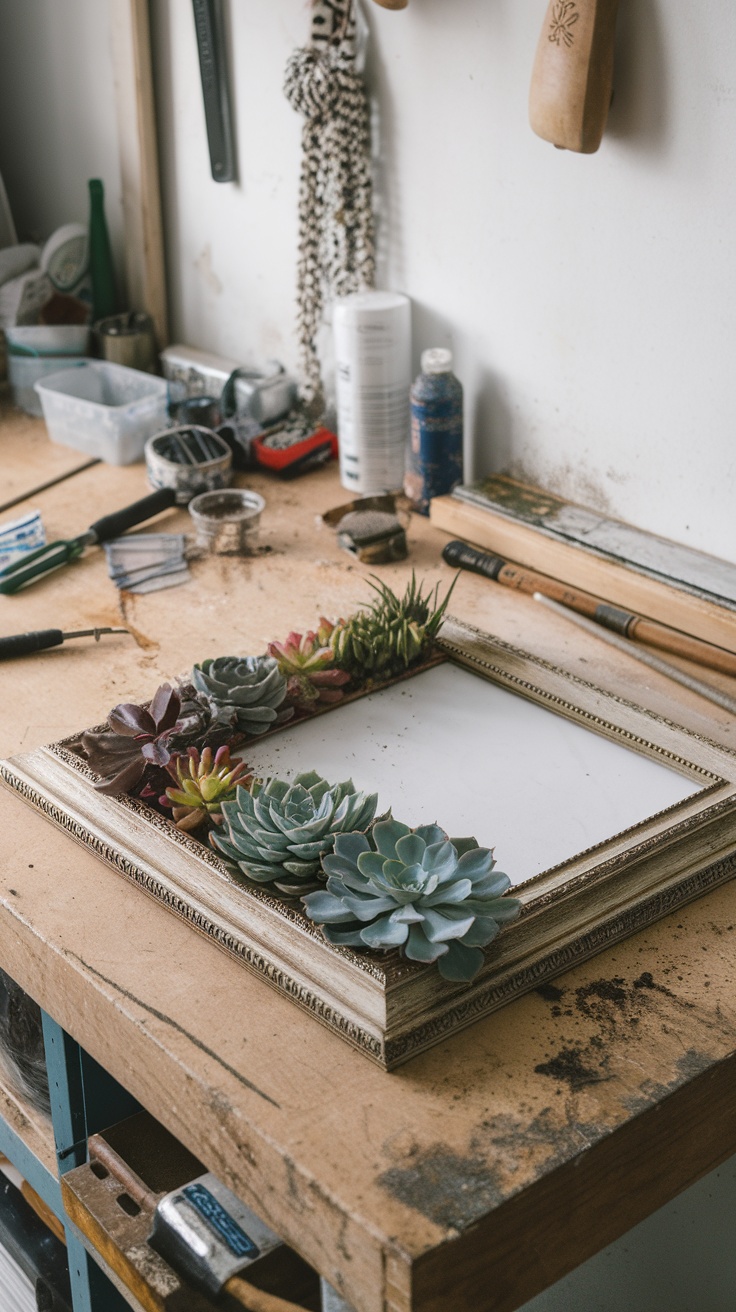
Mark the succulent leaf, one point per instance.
(137, 736)
(436, 898)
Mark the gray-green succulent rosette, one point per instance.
(436, 898)
(250, 687)
(278, 832)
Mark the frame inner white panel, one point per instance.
(448, 746)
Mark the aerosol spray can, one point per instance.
(434, 461)
(372, 333)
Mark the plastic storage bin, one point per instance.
(104, 409)
(49, 339)
(24, 371)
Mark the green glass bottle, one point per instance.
(102, 271)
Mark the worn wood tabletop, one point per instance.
(480, 1172)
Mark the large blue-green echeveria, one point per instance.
(278, 832)
(436, 898)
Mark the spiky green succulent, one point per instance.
(251, 686)
(202, 784)
(278, 832)
(436, 898)
(392, 633)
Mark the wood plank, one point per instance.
(136, 114)
(27, 1140)
(650, 1160)
(525, 545)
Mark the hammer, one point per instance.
(573, 73)
(209, 1237)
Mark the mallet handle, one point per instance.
(256, 1300)
(573, 73)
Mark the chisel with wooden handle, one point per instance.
(572, 78)
(615, 618)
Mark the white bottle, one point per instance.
(372, 332)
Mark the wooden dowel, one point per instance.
(631, 649)
(256, 1300)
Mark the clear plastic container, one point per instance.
(49, 339)
(24, 371)
(104, 409)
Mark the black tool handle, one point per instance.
(460, 554)
(111, 526)
(22, 644)
(213, 71)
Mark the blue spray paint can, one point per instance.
(434, 462)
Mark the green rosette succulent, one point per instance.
(436, 898)
(278, 832)
(251, 686)
(201, 784)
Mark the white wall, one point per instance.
(589, 299)
(57, 115)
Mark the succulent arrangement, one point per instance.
(203, 784)
(368, 883)
(277, 833)
(436, 898)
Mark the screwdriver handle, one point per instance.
(22, 644)
(460, 554)
(111, 526)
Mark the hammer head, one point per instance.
(207, 1235)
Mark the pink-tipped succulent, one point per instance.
(203, 784)
(307, 662)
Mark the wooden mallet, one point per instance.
(573, 73)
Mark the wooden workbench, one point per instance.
(482, 1171)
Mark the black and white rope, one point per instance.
(336, 233)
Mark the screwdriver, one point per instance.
(23, 644)
(39, 563)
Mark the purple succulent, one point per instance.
(137, 738)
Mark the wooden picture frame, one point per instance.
(387, 1007)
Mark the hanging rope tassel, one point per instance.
(336, 230)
